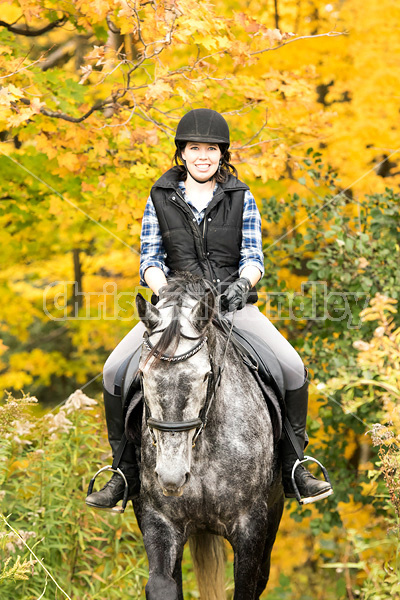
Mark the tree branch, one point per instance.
(303, 37)
(60, 115)
(21, 30)
(248, 143)
(61, 53)
(146, 117)
(22, 68)
(112, 101)
(276, 14)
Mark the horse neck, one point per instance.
(222, 356)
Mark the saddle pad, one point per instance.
(269, 367)
(267, 371)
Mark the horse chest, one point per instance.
(211, 498)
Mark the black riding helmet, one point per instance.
(203, 125)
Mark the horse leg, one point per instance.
(274, 518)
(138, 512)
(164, 547)
(248, 544)
(177, 575)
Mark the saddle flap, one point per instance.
(133, 419)
(265, 367)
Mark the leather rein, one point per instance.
(214, 381)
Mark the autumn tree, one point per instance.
(88, 107)
(90, 98)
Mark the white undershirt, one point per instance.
(200, 201)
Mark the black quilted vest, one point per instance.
(211, 249)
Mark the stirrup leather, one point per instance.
(311, 499)
(114, 509)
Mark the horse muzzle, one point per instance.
(172, 482)
(175, 493)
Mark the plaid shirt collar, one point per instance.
(199, 214)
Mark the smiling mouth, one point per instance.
(202, 167)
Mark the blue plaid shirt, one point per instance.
(152, 252)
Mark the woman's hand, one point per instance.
(235, 296)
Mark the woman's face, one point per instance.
(202, 159)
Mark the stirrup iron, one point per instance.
(311, 499)
(114, 509)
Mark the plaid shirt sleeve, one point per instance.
(251, 252)
(152, 252)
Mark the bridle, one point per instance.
(173, 358)
(214, 381)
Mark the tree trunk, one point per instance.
(276, 14)
(78, 290)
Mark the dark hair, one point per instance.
(226, 167)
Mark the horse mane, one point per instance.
(186, 283)
(180, 285)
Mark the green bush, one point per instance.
(344, 251)
(45, 468)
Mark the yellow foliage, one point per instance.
(19, 465)
(10, 11)
(9, 94)
(40, 364)
(143, 171)
(70, 161)
(274, 102)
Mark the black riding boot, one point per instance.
(113, 491)
(310, 488)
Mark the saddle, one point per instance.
(269, 376)
(265, 368)
(256, 354)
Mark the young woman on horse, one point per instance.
(202, 219)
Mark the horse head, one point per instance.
(177, 375)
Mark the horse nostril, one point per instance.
(187, 477)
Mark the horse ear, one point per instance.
(149, 314)
(201, 314)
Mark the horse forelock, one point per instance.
(186, 284)
(169, 338)
(182, 292)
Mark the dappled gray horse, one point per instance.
(198, 483)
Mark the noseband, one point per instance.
(200, 422)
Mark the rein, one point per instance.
(214, 382)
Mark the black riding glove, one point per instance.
(235, 296)
(161, 295)
(162, 291)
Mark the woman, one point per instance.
(200, 218)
